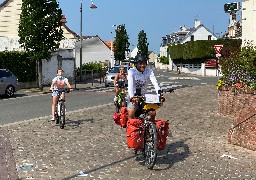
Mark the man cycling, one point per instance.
(138, 78)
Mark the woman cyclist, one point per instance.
(58, 83)
(121, 76)
(138, 77)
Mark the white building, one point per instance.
(93, 50)
(68, 54)
(249, 20)
(198, 32)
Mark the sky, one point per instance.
(157, 18)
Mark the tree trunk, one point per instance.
(40, 76)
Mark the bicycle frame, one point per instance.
(60, 108)
(144, 113)
(121, 95)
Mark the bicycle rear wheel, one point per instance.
(62, 114)
(150, 145)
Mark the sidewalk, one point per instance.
(78, 86)
(91, 146)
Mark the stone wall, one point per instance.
(241, 105)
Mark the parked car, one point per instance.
(8, 83)
(210, 63)
(111, 74)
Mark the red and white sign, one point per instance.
(218, 48)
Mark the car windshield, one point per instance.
(116, 70)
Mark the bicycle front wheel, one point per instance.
(62, 115)
(150, 145)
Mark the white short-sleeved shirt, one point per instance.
(137, 79)
(59, 82)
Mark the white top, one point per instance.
(59, 82)
(137, 79)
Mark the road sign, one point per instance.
(218, 48)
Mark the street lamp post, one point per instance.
(111, 52)
(81, 39)
(81, 35)
(111, 58)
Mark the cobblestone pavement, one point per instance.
(91, 146)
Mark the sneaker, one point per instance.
(53, 118)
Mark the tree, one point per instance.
(121, 43)
(142, 43)
(40, 30)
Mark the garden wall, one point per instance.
(241, 105)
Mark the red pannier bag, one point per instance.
(134, 134)
(123, 117)
(162, 127)
(116, 118)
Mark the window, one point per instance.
(169, 40)
(210, 37)
(5, 73)
(192, 38)
(164, 42)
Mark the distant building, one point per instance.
(248, 21)
(198, 32)
(93, 48)
(151, 55)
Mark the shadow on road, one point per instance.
(15, 96)
(96, 169)
(173, 153)
(77, 123)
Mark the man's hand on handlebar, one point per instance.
(134, 100)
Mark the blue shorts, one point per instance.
(55, 93)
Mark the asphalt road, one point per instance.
(26, 106)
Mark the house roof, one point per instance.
(3, 3)
(106, 43)
(194, 30)
(64, 21)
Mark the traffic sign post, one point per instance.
(218, 55)
(218, 48)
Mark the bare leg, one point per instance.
(131, 113)
(54, 102)
(117, 91)
(63, 96)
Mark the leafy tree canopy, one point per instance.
(121, 43)
(40, 27)
(142, 43)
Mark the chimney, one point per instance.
(183, 28)
(63, 20)
(197, 23)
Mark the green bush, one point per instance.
(164, 60)
(96, 67)
(197, 51)
(19, 64)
